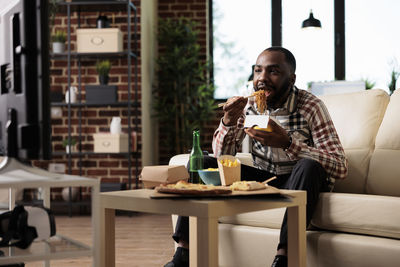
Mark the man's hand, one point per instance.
(278, 137)
(233, 109)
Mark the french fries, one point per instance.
(229, 163)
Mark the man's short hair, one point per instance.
(288, 56)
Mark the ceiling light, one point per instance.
(311, 22)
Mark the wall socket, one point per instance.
(57, 167)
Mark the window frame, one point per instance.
(276, 35)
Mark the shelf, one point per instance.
(93, 6)
(56, 247)
(91, 55)
(128, 57)
(74, 105)
(60, 153)
(54, 203)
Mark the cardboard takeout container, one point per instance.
(153, 176)
(228, 175)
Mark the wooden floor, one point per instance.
(141, 240)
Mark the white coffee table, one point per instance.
(204, 214)
(14, 176)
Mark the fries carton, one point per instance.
(153, 176)
(229, 169)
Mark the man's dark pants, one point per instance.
(307, 175)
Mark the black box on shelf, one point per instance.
(56, 96)
(101, 94)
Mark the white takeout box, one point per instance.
(153, 176)
(256, 120)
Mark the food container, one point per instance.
(110, 143)
(210, 176)
(153, 176)
(106, 40)
(229, 175)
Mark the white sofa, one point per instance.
(356, 225)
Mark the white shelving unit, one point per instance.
(15, 175)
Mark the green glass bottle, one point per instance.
(196, 158)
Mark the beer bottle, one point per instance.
(196, 158)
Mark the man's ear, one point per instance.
(292, 79)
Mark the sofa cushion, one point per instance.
(265, 218)
(357, 117)
(358, 213)
(358, 163)
(383, 177)
(329, 249)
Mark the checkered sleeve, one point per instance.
(327, 148)
(227, 139)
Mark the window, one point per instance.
(372, 40)
(312, 48)
(241, 30)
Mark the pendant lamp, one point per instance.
(311, 22)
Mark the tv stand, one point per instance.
(16, 175)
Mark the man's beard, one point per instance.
(275, 99)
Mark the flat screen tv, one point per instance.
(25, 131)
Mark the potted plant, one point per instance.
(69, 145)
(102, 93)
(394, 75)
(103, 69)
(184, 95)
(59, 39)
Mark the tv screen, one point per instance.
(25, 131)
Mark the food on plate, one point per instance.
(211, 169)
(183, 187)
(229, 163)
(247, 186)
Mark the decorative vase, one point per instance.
(115, 126)
(71, 94)
(70, 149)
(102, 22)
(58, 47)
(74, 193)
(103, 79)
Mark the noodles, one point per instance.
(261, 100)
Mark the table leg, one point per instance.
(96, 225)
(297, 245)
(107, 237)
(46, 197)
(203, 242)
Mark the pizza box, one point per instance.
(153, 176)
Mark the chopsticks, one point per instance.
(223, 104)
(269, 180)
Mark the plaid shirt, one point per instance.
(307, 121)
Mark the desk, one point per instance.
(203, 220)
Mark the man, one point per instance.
(303, 149)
